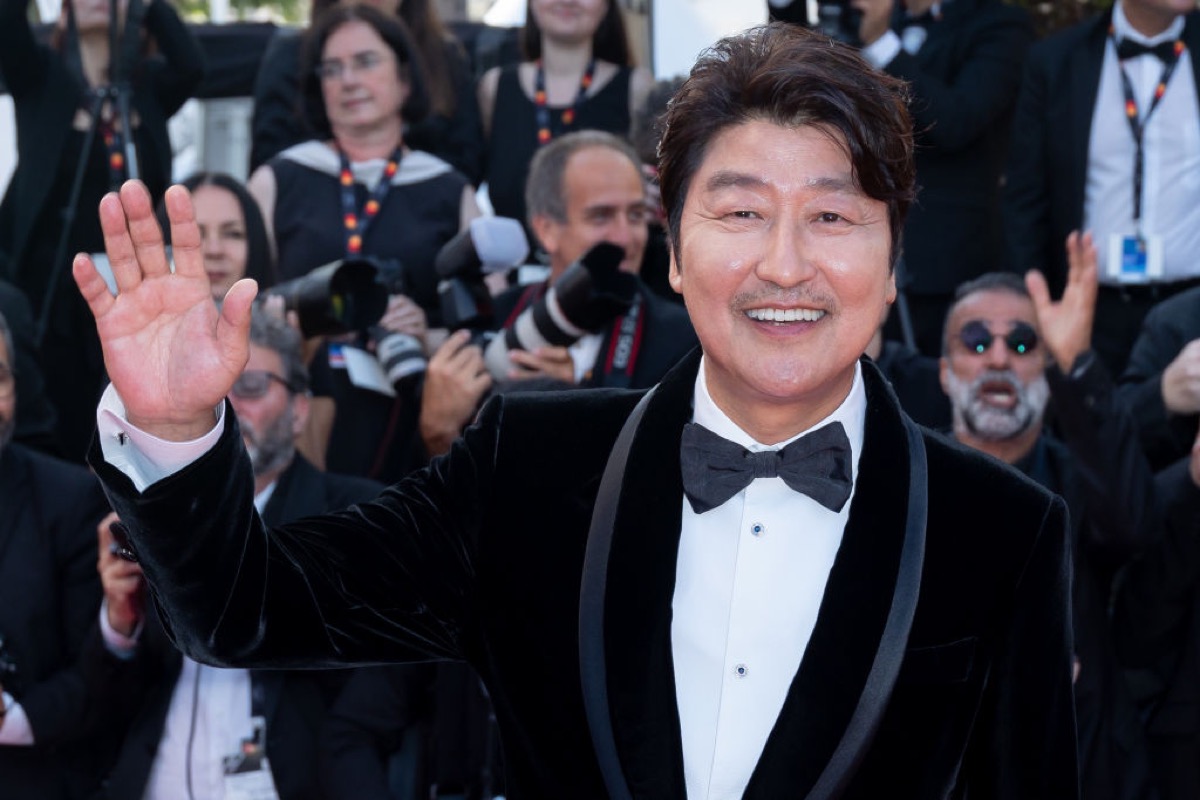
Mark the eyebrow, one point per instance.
(725, 179)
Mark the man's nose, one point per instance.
(997, 354)
(787, 259)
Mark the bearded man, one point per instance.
(1007, 351)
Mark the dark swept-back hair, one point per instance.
(432, 41)
(260, 264)
(609, 42)
(393, 32)
(791, 76)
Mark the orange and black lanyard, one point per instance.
(544, 135)
(354, 221)
(1137, 124)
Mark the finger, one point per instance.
(185, 233)
(93, 288)
(118, 243)
(233, 325)
(453, 345)
(144, 230)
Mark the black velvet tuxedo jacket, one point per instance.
(49, 594)
(964, 83)
(480, 557)
(135, 694)
(1047, 172)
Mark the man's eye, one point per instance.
(830, 216)
(743, 214)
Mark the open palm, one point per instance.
(171, 356)
(1066, 326)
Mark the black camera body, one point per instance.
(339, 297)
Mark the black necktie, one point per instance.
(715, 469)
(1127, 48)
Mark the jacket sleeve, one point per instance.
(1027, 195)
(178, 70)
(23, 62)
(952, 114)
(56, 705)
(1157, 593)
(1117, 481)
(1164, 435)
(1024, 742)
(390, 580)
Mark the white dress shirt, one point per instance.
(209, 716)
(749, 581)
(1171, 182)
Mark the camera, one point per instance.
(338, 297)
(488, 244)
(587, 296)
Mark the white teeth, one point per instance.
(785, 314)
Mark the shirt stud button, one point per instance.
(758, 529)
(740, 670)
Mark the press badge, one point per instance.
(1135, 259)
(247, 773)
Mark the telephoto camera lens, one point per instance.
(588, 295)
(401, 355)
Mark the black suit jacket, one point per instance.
(1157, 623)
(964, 83)
(1167, 329)
(48, 515)
(1047, 173)
(480, 557)
(136, 693)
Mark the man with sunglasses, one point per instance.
(180, 724)
(1008, 351)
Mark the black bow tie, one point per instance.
(715, 469)
(1127, 48)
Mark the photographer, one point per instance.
(55, 91)
(962, 60)
(583, 189)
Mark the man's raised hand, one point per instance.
(171, 356)
(1066, 325)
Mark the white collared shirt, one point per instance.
(209, 715)
(749, 581)
(1171, 183)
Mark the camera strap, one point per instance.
(624, 344)
(355, 221)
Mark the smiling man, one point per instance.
(751, 582)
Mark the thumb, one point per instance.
(1039, 290)
(234, 323)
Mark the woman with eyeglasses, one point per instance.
(233, 237)
(72, 148)
(577, 73)
(451, 131)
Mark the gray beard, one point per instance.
(274, 449)
(988, 422)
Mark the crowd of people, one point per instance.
(1045, 314)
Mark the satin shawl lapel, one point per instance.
(15, 498)
(854, 610)
(639, 589)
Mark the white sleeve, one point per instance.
(880, 52)
(14, 725)
(144, 458)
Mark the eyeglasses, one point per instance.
(977, 338)
(254, 383)
(333, 70)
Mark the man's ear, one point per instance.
(673, 276)
(546, 229)
(300, 409)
